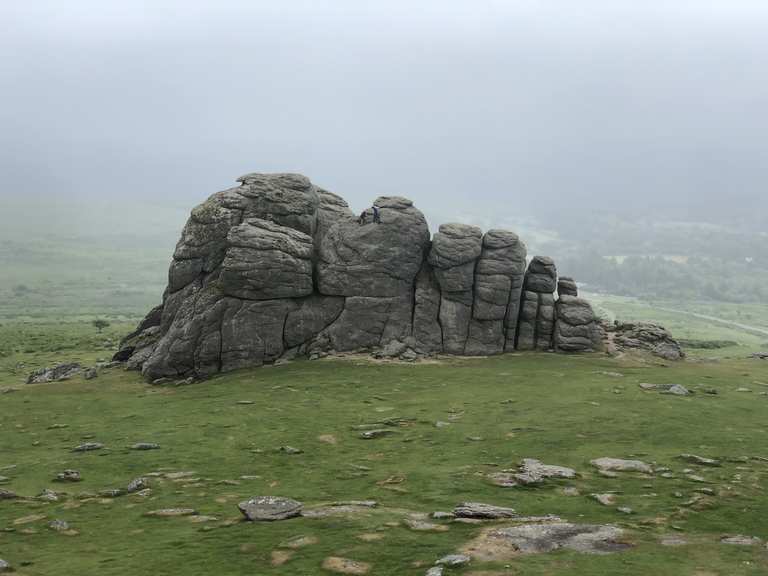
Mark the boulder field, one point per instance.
(278, 267)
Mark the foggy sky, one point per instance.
(128, 113)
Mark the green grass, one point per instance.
(561, 409)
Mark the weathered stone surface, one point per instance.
(576, 326)
(5, 566)
(566, 286)
(270, 508)
(374, 260)
(621, 465)
(68, 476)
(455, 250)
(500, 544)
(627, 336)
(277, 267)
(426, 324)
(483, 511)
(55, 374)
(265, 260)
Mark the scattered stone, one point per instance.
(58, 525)
(454, 560)
(270, 508)
(357, 503)
(625, 510)
(695, 478)
(171, 512)
(435, 571)
(570, 491)
(5, 566)
(290, 450)
(7, 495)
(145, 446)
(647, 386)
(55, 374)
(443, 515)
(68, 476)
(90, 373)
(137, 485)
(244, 402)
(112, 493)
(604, 499)
(608, 474)
(532, 471)
(378, 433)
(501, 544)
(48, 495)
(620, 465)
(700, 460)
(345, 566)
(441, 424)
(88, 447)
(483, 511)
(741, 540)
(707, 491)
(742, 389)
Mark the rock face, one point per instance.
(278, 267)
(626, 336)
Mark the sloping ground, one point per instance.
(295, 431)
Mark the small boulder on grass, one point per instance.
(270, 508)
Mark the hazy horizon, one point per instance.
(122, 116)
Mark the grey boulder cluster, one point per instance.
(278, 267)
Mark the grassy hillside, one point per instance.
(227, 433)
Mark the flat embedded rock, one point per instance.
(171, 512)
(483, 511)
(56, 374)
(621, 465)
(501, 544)
(88, 447)
(340, 565)
(270, 508)
(700, 460)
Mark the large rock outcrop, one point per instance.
(278, 267)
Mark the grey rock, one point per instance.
(741, 540)
(435, 571)
(137, 485)
(541, 275)
(453, 255)
(5, 566)
(56, 374)
(278, 268)
(454, 560)
(483, 511)
(676, 390)
(270, 508)
(426, 323)
(499, 544)
(566, 287)
(90, 374)
(48, 495)
(7, 494)
(58, 525)
(700, 460)
(577, 329)
(646, 336)
(68, 476)
(171, 512)
(145, 446)
(377, 433)
(621, 465)
(88, 447)
(374, 260)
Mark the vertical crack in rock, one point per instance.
(278, 265)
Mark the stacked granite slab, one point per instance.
(278, 267)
